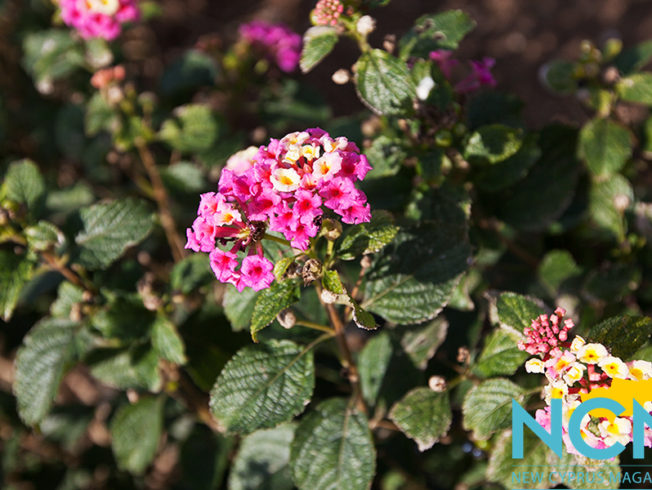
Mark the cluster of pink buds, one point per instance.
(99, 18)
(282, 187)
(545, 334)
(107, 76)
(328, 12)
(480, 75)
(277, 41)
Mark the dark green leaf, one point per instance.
(493, 144)
(136, 367)
(495, 177)
(41, 362)
(167, 342)
(24, 184)
(558, 75)
(193, 130)
(51, 55)
(110, 228)
(516, 312)
(422, 341)
(368, 237)
(262, 462)
(263, 385)
(318, 41)
(556, 267)
(192, 70)
(191, 273)
(636, 88)
(608, 201)
(15, 271)
(487, 407)
(385, 155)
(239, 306)
(605, 146)
(423, 415)
(67, 296)
(433, 32)
(634, 58)
(623, 335)
(500, 355)
(373, 362)
(414, 277)
(384, 83)
(332, 448)
(135, 433)
(270, 302)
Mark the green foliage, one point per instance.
(423, 415)
(51, 55)
(167, 342)
(367, 238)
(318, 41)
(623, 334)
(263, 385)
(373, 363)
(270, 302)
(439, 31)
(487, 407)
(605, 146)
(493, 144)
(192, 130)
(332, 448)
(109, 229)
(383, 83)
(501, 355)
(41, 362)
(15, 271)
(135, 433)
(24, 184)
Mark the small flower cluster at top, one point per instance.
(281, 187)
(277, 41)
(99, 18)
(573, 368)
(480, 75)
(107, 76)
(328, 12)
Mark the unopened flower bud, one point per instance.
(287, 318)
(437, 384)
(463, 355)
(365, 25)
(341, 76)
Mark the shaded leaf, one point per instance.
(15, 271)
(623, 335)
(487, 407)
(270, 302)
(423, 415)
(167, 342)
(500, 355)
(433, 32)
(493, 144)
(239, 306)
(24, 184)
(368, 237)
(605, 146)
(422, 341)
(318, 41)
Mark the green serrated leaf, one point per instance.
(423, 415)
(556, 267)
(332, 448)
(167, 342)
(263, 385)
(67, 296)
(432, 32)
(24, 184)
(500, 355)
(634, 58)
(383, 83)
(110, 228)
(331, 281)
(386, 155)
(559, 76)
(239, 306)
(193, 130)
(41, 362)
(420, 342)
(270, 302)
(135, 433)
(516, 312)
(493, 143)
(413, 278)
(44, 235)
(373, 362)
(636, 88)
(191, 273)
(622, 335)
(368, 237)
(135, 367)
(605, 146)
(318, 41)
(487, 407)
(15, 271)
(608, 201)
(262, 462)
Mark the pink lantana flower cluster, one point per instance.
(99, 18)
(573, 368)
(282, 187)
(328, 12)
(278, 43)
(479, 76)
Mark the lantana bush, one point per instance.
(209, 280)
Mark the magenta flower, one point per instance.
(99, 18)
(445, 61)
(546, 334)
(479, 77)
(277, 42)
(282, 188)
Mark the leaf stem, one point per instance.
(315, 326)
(57, 265)
(162, 200)
(276, 239)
